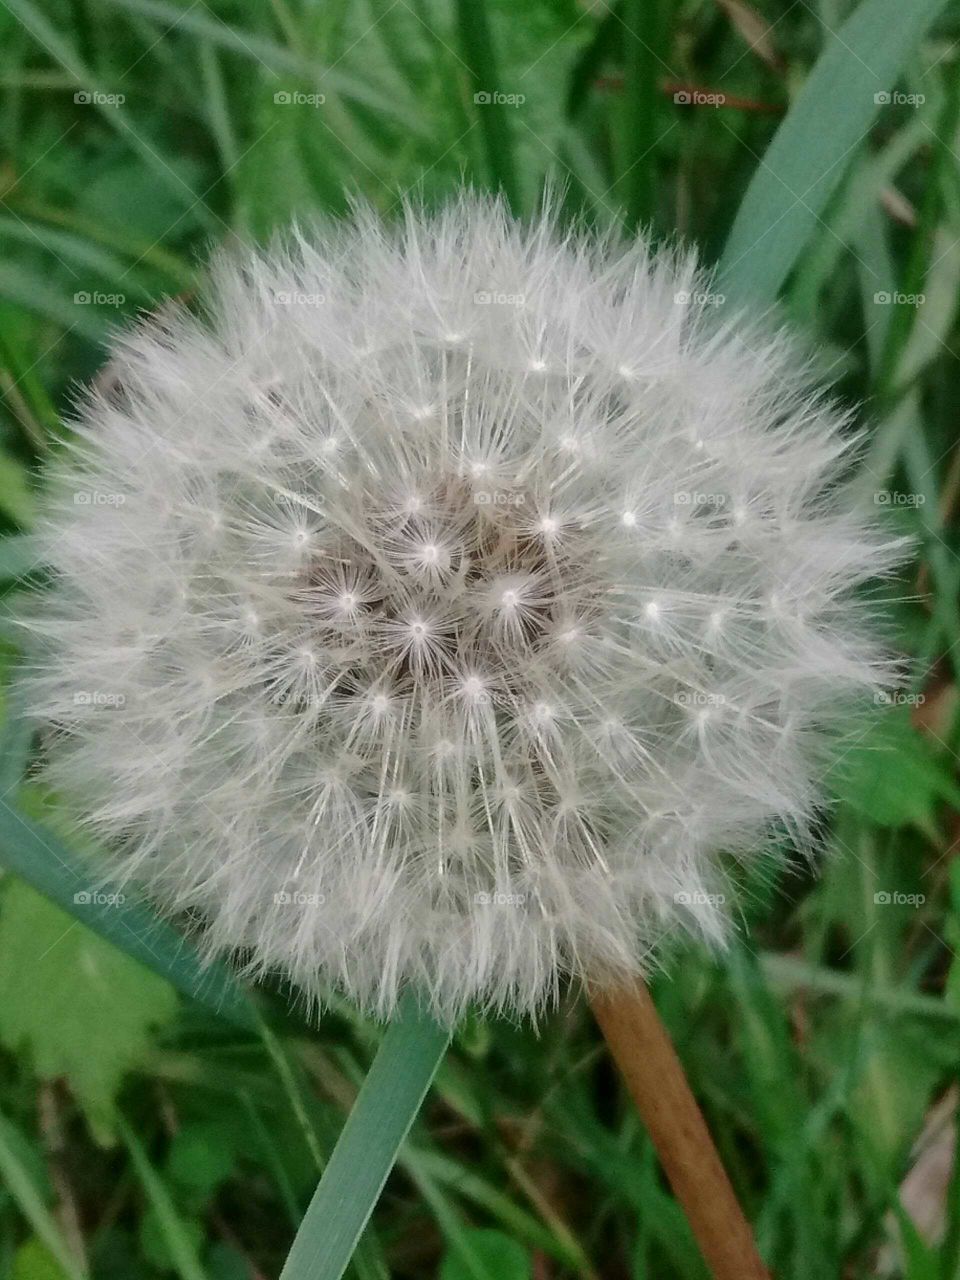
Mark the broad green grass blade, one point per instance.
(41, 858)
(368, 1260)
(17, 1181)
(812, 148)
(389, 1100)
(18, 557)
(479, 56)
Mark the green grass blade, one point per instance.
(644, 67)
(183, 1254)
(74, 250)
(17, 1180)
(365, 1153)
(479, 57)
(25, 286)
(199, 21)
(812, 148)
(19, 557)
(41, 858)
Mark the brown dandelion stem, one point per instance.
(642, 1049)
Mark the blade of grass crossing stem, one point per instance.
(479, 56)
(368, 1260)
(48, 865)
(808, 157)
(386, 1106)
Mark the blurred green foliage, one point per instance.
(150, 1127)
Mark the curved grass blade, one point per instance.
(386, 1106)
(40, 857)
(810, 152)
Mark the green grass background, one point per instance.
(151, 1127)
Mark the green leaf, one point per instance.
(892, 776)
(49, 865)
(225, 1263)
(811, 150)
(73, 1004)
(16, 495)
(34, 1261)
(499, 1255)
(365, 1153)
(202, 1155)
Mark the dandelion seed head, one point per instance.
(491, 628)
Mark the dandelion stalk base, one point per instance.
(641, 1048)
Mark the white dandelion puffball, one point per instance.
(448, 604)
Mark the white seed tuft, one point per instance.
(410, 639)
